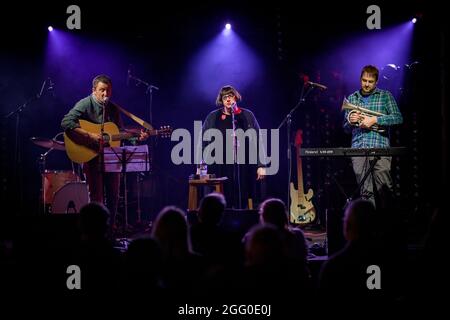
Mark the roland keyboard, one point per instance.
(352, 152)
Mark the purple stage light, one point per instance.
(50, 28)
(226, 59)
(228, 26)
(414, 20)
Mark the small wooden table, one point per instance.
(194, 184)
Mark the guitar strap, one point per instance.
(138, 120)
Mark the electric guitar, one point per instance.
(302, 209)
(80, 152)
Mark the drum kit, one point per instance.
(62, 191)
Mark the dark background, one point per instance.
(158, 40)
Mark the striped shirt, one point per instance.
(379, 101)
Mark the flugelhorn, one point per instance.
(346, 105)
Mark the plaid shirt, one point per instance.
(380, 101)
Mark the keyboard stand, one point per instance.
(357, 191)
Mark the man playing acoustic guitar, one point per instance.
(97, 108)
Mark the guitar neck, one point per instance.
(128, 135)
(299, 173)
(81, 151)
(123, 136)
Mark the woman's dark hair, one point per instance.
(227, 90)
(273, 211)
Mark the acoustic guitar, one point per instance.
(79, 152)
(302, 210)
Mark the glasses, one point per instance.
(226, 96)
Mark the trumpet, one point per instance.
(346, 105)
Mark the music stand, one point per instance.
(123, 160)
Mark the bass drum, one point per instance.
(53, 180)
(70, 198)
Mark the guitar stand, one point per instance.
(123, 160)
(372, 162)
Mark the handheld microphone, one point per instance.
(317, 85)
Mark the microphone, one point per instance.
(51, 86)
(105, 101)
(317, 85)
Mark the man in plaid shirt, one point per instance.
(379, 183)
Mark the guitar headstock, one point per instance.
(298, 138)
(164, 131)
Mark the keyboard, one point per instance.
(352, 152)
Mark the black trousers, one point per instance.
(103, 187)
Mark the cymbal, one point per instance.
(48, 143)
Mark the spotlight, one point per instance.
(414, 20)
(50, 28)
(228, 26)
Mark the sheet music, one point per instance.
(134, 158)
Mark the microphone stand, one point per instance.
(17, 151)
(149, 90)
(42, 169)
(288, 121)
(102, 156)
(236, 169)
